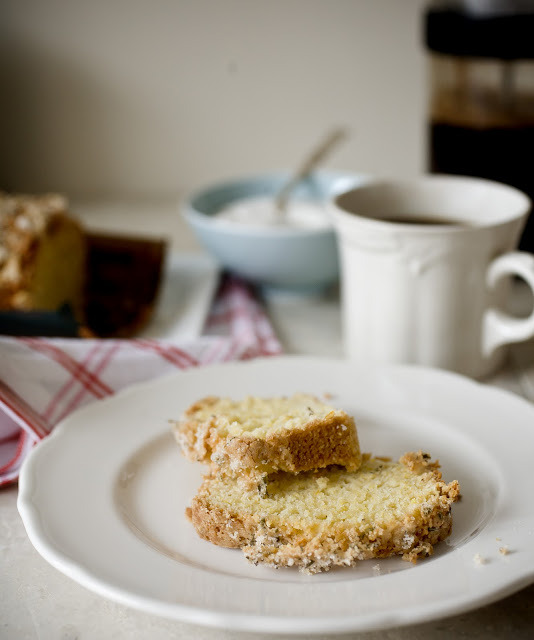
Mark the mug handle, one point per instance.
(502, 328)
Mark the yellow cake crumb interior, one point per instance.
(379, 492)
(262, 416)
(60, 269)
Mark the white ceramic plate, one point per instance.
(103, 500)
(187, 289)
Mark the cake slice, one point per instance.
(319, 519)
(257, 436)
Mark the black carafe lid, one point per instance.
(454, 31)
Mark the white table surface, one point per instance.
(39, 602)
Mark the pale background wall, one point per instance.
(154, 97)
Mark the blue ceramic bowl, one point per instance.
(279, 257)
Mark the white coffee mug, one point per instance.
(426, 268)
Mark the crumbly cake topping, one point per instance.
(23, 218)
(257, 416)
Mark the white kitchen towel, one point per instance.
(42, 380)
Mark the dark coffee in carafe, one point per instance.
(481, 115)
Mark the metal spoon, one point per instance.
(310, 163)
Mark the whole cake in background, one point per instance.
(58, 278)
(42, 254)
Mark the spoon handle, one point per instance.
(317, 155)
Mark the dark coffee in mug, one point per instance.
(419, 219)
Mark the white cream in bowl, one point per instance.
(261, 211)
